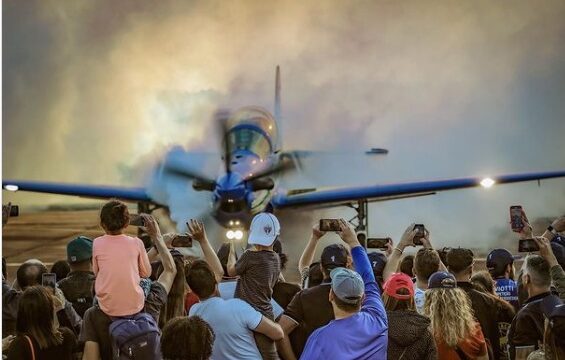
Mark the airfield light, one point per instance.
(11, 187)
(487, 182)
(231, 222)
(230, 200)
(238, 234)
(237, 222)
(230, 234)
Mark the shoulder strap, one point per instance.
(31, 346)
(402, 355)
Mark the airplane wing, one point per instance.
(339, 196)
(91, 191)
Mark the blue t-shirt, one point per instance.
(233, 322)
(507, 289)
(360, 336)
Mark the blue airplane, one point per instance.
(252, 158)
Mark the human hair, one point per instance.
(201, 279)
(450, 313)
(459, 260)
(61, 269)
(175, 300)
(553, 350)
(483, 282)
(316, 274)
(36, 317)
(347, 307)
(426, 262)
(114, 216)
(29, 274)
(407, 265)
(393, 304)
(187, 338)
(277, 247)
(538, 270)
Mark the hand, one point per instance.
(407, 238)
(317, 234)
(347, 234)
(426, 240)
(526, 232)
(59, 300)
(150, 226)
(545, 250)
(168, 238)
(7, 341)
(389, 247)
(559, 224)
(196, 229)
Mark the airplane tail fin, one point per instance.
(278, 104)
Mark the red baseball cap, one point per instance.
(396, 282)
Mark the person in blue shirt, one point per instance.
(360, 328)
(500, 264)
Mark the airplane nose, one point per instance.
(230, 186)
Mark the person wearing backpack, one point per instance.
(103, 336)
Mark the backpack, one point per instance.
(135, 337)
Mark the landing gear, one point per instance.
(360, 220)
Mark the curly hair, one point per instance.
(451, 315)
(187, 338)
(114, 215)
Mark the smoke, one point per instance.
(97, 92)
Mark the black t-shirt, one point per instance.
(95, 325)
(20, 349)
(311, 309)
(283, 292)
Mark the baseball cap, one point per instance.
(265, 228)
(378, 263)
(333, 256)
(347, 285)
(79, 249)
(497, 260)
(396, 282)
(442, 280)
(458, 259)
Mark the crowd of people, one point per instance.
(116, 299)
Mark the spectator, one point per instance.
(259, 269)
(233, 321)
(500, 264)
(457, 334)
(407, 265)
(409, 336)
(556, 270)
(527, 328)
(187, 338)
(378, 262)
(310, 308)
(460, 263)
(483, 282)
(554, 341)
(360, 328)
(95, 328)
(307, 256)
(315, 275)
(174, 307)
(37, 333)
(119, 262)
(78, 286)
(283, 291)
(61, 269)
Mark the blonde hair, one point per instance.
(451, 315)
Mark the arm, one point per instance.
(308, 253)
(169, 268)
(153, 255)
(557, 274)
(270, 329)
(406, 240)
(197, 230)
(283, 346)
(231, 261)
(559, 226)
(91, 351)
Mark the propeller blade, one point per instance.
(285, 164)
(221, 117)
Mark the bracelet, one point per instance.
(397, 249)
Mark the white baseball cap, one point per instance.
(265, 228)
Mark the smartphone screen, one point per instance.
(135, 220)
(516, 218)
(377, 243)
(329, 225)
(49, 280)
(420, 233)
(527, 245)
(182, 241)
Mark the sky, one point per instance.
(97, 92)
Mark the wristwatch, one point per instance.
(552, 230)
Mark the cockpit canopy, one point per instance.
(252, 129)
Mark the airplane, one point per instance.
(252, 159)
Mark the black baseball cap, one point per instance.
(442, 280)
(378, 263)
(497, 260)
(334, 255)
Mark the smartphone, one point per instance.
(420, 233)
(136, 220)
(182, 241)
(516, 222)
(14, 210)
(49, 280)
(378, 243)
(527, 245)
(329, 225)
